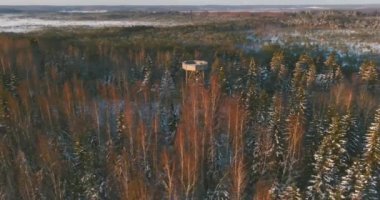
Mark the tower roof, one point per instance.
(194, 65)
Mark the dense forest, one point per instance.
(107, 114)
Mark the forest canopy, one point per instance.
(107, 113)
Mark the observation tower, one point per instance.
(195, 69)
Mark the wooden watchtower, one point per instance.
(195, 69)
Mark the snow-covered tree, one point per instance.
(311, 75)
(277, 61)
(250, 96)
(368, 185)
(285, 192)
(333, 69)
(368, 72)
(305, 72)
(349, 181)
(168, 116)
(223, 80)
(355, 138)
(238, 83)
(252, 75)
(121, 132)
(147, 73)
(86, 180)
(291, 192)
(277, 67)
(299, 77)
(277, 132)
(330, 160)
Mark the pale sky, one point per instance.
(183, 2)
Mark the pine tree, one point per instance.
(311, 76)
(224, 83)
(372, 156)
(313, 137)
(369, 73)
(372, 148)
(355, 138)
(276, 130)
(299, 78)
(277, 67)
(368, 185)
(285, 192)
(264, 78)
(238, 83)
(168, 116)
(121, 132)
(277, 61)
(275, 190)
(330, 160)
(167, 87)
(147, 73)
(299, 98)
(333, 67)
(250, 96)
(215, 66)
(305, 72)
(291, 192)
(350, 180)
(11, 83)
(86, 180)
(252, 74)
(297, 120)
(338, 76)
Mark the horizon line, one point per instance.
(57, 5)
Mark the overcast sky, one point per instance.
(182, 2)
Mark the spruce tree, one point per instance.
(350, 180)
(277, 62)
(168, 116)
(368, 73)
(368, 185)
(311, 75)
(276, 130)
(121, 132)
(277, 67)
(291, 192)
(333, 69)
(285, 192)
(355, 138)
(147, 73)
(330, 160)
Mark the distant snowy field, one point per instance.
(14, 23)
(83, 11)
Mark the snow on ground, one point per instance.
(22, 24)
(84, 11)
